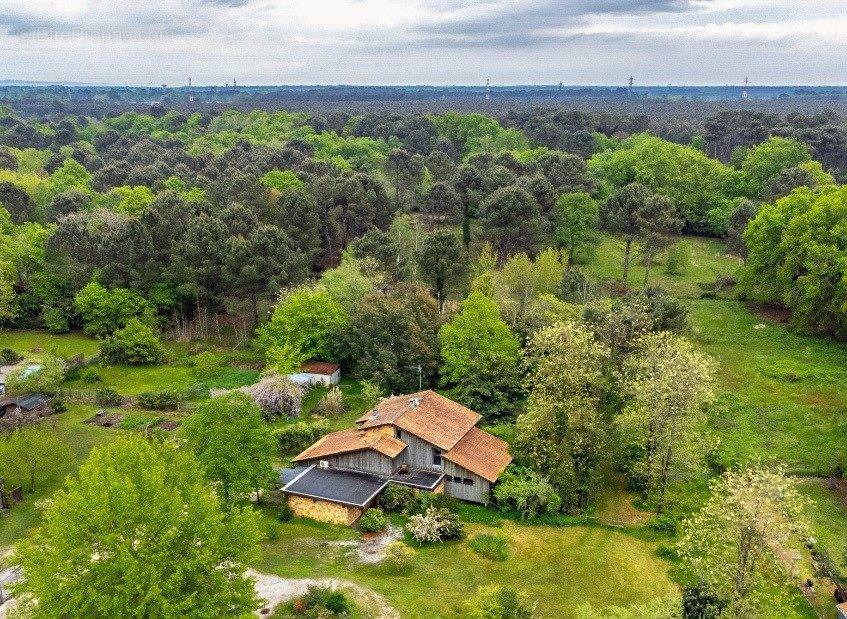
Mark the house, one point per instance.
(317, 373)
(22, 409)
(422, 440)
(841, 610)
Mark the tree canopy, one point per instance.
(137, 531)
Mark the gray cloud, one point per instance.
(544, 14)
(423, 41)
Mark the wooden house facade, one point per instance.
(422, 440)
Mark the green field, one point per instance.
(63, 345)
(559, 568)
(781, 396)
(709, 260)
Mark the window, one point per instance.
(436, 456)
(398, 433)
(467, 482)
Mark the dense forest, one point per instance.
(206, 215)
(552, 269)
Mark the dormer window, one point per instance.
(436, 456)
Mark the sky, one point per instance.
(439, 42)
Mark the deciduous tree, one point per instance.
(233, 445)
(668, 383)
(482, 358)
(139, 532)
(739, 543)
(562, 429)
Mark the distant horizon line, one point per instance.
(49, 83)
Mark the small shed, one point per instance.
(841, 610)
(317, 373)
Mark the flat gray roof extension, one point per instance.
(345, 487)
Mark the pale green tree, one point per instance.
(308, 320)
(740, 542)
(33, 455)
(138, 532)
(668, 383)
(576, 220)
(562, 430)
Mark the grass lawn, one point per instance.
(560, 568)
(708, 260)
(81, 438)
(781, 395)
(828, 516)
(63, 345)
(134, 380)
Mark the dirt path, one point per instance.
(277, 590)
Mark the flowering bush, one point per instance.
(275, 395)
(436, 525)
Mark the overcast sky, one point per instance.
(151, 42)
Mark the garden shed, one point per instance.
(317, 373)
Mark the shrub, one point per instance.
(664, 524)
(9, 357)
(295, 437)
(526, 492)
(207, 365)
(105, 311)
(56, 320)
(492, 546)
(667, 313)
(332, 404)
(158, 400)
(436, 525)
(332, 600)
(371, 394)
(276, 396)
(106, 396)
(399, 558)
(373, 521)
(90, 374)
(285, 514)
(423, 501)
(397, 498)
(134, 344)
(699, 603)
(667, 551)
(497, 602)
(678, 260)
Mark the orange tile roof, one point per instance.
(426, 414)
(345, 441)
(320, 367)
(481, 453)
